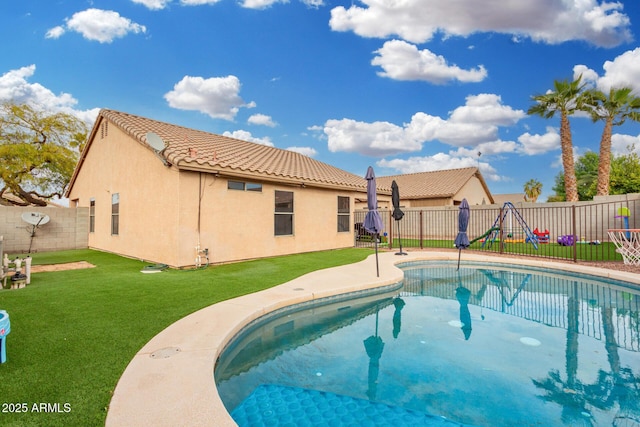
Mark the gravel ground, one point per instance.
(618, 265)
(609, 265)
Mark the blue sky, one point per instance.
(403, 86)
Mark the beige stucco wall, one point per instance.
(67, 229)
(160, 207)
(238, 225)
(417, 203)
(474, 192)
(148, 197)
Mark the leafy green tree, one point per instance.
(614, 109)
(558, 188)
(38, 152)
(624, 177)
(587, 175)
(532, 190)
(625, 173)
(566, 99)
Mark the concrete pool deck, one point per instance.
(170, 382)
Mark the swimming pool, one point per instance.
(489, 344)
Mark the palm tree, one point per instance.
(532, 190)
(567, 98)
(614, 110)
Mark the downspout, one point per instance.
(199, 216)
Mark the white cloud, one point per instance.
(620, 144)
(260, 4)
(262, 120)
(216, 96)
(403, 61)
(557, 163)
(100, 25)
(474, 123)
(307, 151)
(440, 161)
(15, 87)
(586, 74)
(198, 2)
(550, 21)
(372, 139)
(313, 3)
(55, 32)
(623, 71)
(486, 109)
(246, 136)
(153, 4)
(539, 144)
(249, 4)
(486, 149)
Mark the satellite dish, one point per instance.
(35, 218)
(155, 142)
(158, 145)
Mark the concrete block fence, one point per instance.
(68, 228)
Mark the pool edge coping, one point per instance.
(170, 379)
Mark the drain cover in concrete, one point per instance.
(165, 353)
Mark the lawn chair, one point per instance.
(362, 233)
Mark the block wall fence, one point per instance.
(68, 228)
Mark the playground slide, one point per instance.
(489, 231)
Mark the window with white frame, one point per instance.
(283, 218)
(115, 214)
(244, 186)
(92, 215)
(344, 214)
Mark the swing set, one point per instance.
(508, 209)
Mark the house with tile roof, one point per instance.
(236, 199)
(501, 199)
(440, 188)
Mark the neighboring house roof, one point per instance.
(435, 184)
(501, 199)
(190, 149)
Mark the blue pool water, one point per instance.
(488, 345)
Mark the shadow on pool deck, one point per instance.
(170, 380)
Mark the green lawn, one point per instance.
(74, 332)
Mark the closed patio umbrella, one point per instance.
(372, 221)
(462, 240)
(397, 315)
(462, 295)
(397, 212)
(373, 346)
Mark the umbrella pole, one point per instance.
(377, 268)
(377, 310)
(459, 253)
(400, 240)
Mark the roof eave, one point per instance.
(253, 176)
(83, 155)
(484, 185)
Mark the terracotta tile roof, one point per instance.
(190, 149)
(429, 185)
